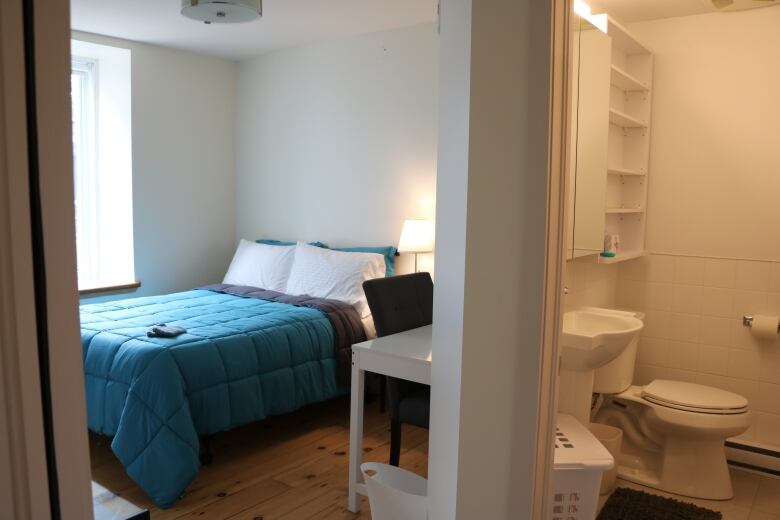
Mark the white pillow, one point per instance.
(337, 275)
(260, 265)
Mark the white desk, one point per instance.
(406, 355)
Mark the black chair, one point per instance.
(397, 304)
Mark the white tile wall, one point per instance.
(590, 283)
(693, 329)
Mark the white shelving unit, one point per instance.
(623, 120)
(621, 256)
(623, 211)
(631, 80)
(624, 171)
(625, 81)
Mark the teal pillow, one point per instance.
(270, 242)
(387, 251)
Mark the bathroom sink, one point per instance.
(594, 337)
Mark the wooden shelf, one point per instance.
(623, 211)
(625, 171)
(623, 120)
(625, 81)
(621, 256)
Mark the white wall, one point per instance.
(715, 142)
(590, 283)
(337, 141)
(183, 166)
(491, 225)
(693, 328)
(713, 216)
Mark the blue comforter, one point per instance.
(242, 359)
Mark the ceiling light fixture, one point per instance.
(222, 11)
(598, 20)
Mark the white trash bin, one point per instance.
(394, 493)
(612, 439)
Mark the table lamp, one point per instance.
(417, 236)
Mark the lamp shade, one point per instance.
(417, 236)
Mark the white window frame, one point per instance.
(103, 166)
(86, 179)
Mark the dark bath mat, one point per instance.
(629, 504)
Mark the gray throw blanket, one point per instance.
(347, 326)
(163, 330)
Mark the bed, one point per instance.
(247, 354)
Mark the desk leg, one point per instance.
(355, 435)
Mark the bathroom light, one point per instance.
(581, 8)
(417, 236)
(599, 21)
(222, 11)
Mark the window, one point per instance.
(102, 164)
(82, 84)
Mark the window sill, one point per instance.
(121, 287)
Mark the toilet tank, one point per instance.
(618, 374)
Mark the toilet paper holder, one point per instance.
(747, 321)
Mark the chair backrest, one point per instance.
(400, 303)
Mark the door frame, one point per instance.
(21, 408)
(43, 411)
(560, 142)
(503, 58)
(23, 480)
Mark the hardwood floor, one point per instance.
(290, 467)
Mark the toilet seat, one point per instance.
(692, 397)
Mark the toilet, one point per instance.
(674, 431)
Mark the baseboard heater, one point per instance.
(754, 458)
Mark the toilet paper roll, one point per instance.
(765, 327)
